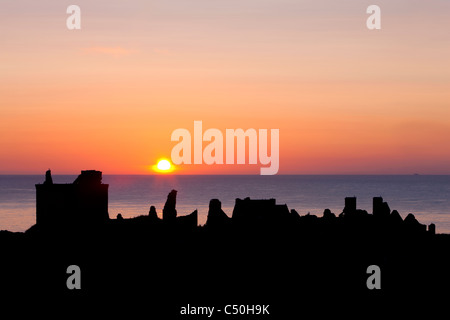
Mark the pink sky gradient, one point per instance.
(346, 100)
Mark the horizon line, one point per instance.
(237, 174)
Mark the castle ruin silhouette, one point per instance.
(85, 201)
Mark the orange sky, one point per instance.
(107, 97)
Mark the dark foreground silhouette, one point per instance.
(263, 254)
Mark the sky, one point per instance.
(346, 99)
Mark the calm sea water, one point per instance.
(427, 197)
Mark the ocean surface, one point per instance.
(427, 197)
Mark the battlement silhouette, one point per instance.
(253, 215)
(83, 202)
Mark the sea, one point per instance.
(426, 196)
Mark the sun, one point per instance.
(163, 166)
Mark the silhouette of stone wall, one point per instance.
(216, 216)
(248, 212)
(82, 203)
(350, 205)
(380, 208)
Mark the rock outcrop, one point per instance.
(169, 211)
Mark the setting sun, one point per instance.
(163, 166)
